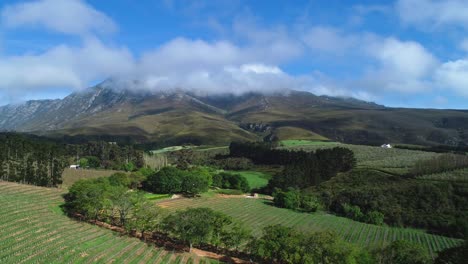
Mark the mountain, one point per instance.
(177, 117)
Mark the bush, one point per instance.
(290, 199)
(231, 181)
(404, 252)
(310, 203)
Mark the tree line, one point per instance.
(40, 161)
(301, 169)
(31, 160)
(192, 181)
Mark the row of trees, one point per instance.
(302, 169)
(112, 200)
(192, 181)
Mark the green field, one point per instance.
(70, 176)
(303, 142)
(256, 179)
(257, 213)
(33, 229)
(392, 160)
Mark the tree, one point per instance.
(235, 235)
(120, 179)
(404, 252)
(122, 201)
(166, 180)
(83, 162)
(290, 199)
(192, 226)
(194, 183)
(145, 216)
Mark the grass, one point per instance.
(256, 179)
(70, 176)
(304, 142)
(257, 213)
(34, 230)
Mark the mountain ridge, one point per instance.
(182, 117)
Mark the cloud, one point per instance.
(63, 66)
(454, 75)
(73, 17)
(433, 13)
(217, 67)
(464, 45)
(328, 39)
(402, 66)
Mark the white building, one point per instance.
(386, 146)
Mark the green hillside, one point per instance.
(38, 232)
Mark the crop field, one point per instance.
(70, 176)
(257, 213)
(456, 175)
(33, 229)
(393, 160)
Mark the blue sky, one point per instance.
(402, 53)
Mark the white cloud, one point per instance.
(433, 13)
(63, 66)
(65, 16)
(403, 66)
(454, 75)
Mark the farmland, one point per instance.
(32, 232)
(456, 175)
(70, 176)
(257, 213)
(392, 160)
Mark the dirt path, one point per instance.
(222, 258)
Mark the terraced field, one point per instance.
(257, 213)
(33, 229)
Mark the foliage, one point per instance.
(286, 245)
(174, 180)
(231, 181)
(455, 255)
(294, 199)
(232, 163)
(302, 169)
(290, 199)
(440, 207)
(403, 252)
(31, 160)
(197, 226)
